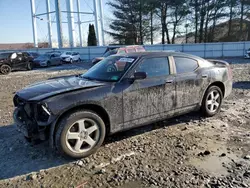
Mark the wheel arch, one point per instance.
(99, 110)
(218, 84)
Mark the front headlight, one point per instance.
(43, 112)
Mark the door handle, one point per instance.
(169, 81)
(204, 76)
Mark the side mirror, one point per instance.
(140, 75)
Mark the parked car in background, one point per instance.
(118, 50)
(70, 57)
(121, 92)
(47, 60)
(247, 54)
(54, 52)
(33, 54)
(10, 61)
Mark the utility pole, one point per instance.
(96, 23)
(49, 22)
(71, 23)
(79, 21)
(59, 23)
(101, 19)
(33, 17)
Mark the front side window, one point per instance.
(184, 65)
(110, 69)
(154, 67)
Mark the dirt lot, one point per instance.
(187, 151)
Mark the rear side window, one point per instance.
(154, 67)
(184, 65)
(129, 50)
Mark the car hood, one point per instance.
(49, 88)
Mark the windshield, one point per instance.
(68, 53)
(5, 55)
(110, 69)
(44, 56)
(109, 53)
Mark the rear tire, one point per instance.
(75, 139)
(5, 69)
(71, 61)
(212, 100)
(48, 64)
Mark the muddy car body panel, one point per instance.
(124, 103)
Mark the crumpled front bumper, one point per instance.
(29, 128)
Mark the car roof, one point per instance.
(158, 53)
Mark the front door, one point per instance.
(152, 98)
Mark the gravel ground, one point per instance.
(187, 151)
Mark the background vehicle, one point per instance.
(70, 57)
(47, 60)
(118, 50)
(33, 54)
(14, 61)
(121, 92)
(247, 54)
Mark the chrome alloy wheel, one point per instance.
(82, 135)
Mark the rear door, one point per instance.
(55, 59)
(189, 81)
(151, 98)
(18, 61)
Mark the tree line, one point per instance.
(141, 21)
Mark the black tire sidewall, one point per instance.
(204, 109)
(29, 66)
(66, 122)
(1, 69)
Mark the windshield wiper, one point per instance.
(88, 78)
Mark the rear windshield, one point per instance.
(109, 53)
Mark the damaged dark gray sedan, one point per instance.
(121, 92)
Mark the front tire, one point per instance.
(80, 134)
(29, 66)
(212, 100)
(71, 61)
(5, 69)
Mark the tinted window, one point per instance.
(109, 53)
(184, 64)
(5, 55)
(154, 67)
(140, 49)
(121, 52)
